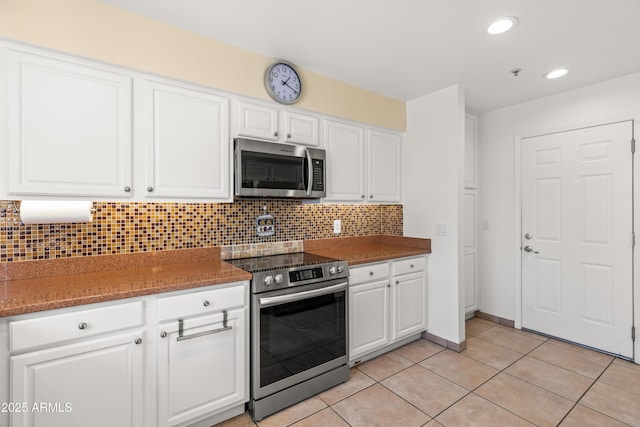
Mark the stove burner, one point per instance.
(281, 261)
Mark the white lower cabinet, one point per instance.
(77, 367)
(92, 383)
(369, 318)
(129, 364)
(387, 303)
(202, 367)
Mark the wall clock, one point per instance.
(282, 82)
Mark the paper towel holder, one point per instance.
(16, 206)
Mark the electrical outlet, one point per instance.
(337, 226)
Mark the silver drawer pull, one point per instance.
(82, 325)
(411, 266)
(182, 336)
(371, 273)
(206, 303)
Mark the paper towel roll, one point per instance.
(55, 212)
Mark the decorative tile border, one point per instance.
(147, 227)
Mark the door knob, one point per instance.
(529, 249)
(528, 236)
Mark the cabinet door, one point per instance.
(368, 317)
(409, 305)
(301, 128)
(187, 143)
(384, 156)
(470, 251)
(470, 146)
(257, 121)
(92, 383)
(345, 162)
(202, 374)
(69, 128)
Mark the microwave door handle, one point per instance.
(309, 172)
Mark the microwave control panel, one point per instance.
(318, 175)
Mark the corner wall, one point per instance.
(604, 102)
(433, 183)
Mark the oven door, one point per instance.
(297, 334)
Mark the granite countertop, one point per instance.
(363, 250)
(32, 286)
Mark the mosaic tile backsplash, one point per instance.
(145, 227)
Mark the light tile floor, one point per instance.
(505, 377)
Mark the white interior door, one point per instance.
(577, 230)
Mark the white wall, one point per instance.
(433, 190)
(497, 251)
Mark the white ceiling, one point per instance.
(409, 48)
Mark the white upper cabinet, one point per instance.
(345, 161)
(470, 151)
(257, 121)
(69, 128)
(384, 167)
(348, 179)
(186, 143)
(269, 123)
(301, 128)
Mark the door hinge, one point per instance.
(633, 145)
(633, 333)
(633, 239)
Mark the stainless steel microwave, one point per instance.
(269, 169)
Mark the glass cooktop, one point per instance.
(281, 261)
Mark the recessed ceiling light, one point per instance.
(502, 25)
(559, 72)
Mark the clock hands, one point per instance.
(284, 83)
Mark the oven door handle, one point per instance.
(281, 299)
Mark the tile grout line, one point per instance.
(489, 379)
(587, 391)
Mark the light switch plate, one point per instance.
(337, 226)
(442, 229)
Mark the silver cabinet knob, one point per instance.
(83, 325)
(371, 196)
(288, 136)
(362, 196)
(397, 282)
(163, 334)
(411, 266)
(127, 189)
(371, 273)
(138, 341)
(206, 303)
(275, 133)
(150, 189)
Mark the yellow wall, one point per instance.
(99, 31)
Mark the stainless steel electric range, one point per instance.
(298, 328)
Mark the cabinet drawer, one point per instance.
(200, 302)
(47, 330)
(409, 265)
(367, 273)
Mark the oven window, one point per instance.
(262, 170)
(300, 335)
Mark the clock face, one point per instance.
(283, 83)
